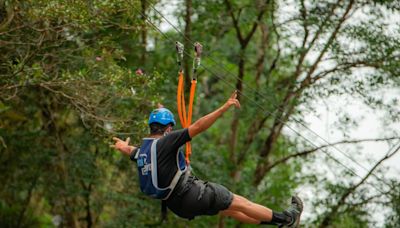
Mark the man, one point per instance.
(193, 197)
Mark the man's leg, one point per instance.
(252, 210)
(265, 215)
(241, 217)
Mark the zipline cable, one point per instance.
(265, 97)
(261, 107)
(324, 150)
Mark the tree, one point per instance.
(62, 78)
(318, 61)
(68, 84)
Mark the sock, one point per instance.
(279, 219)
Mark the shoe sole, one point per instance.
(297, 224)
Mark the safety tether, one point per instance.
(186, 117)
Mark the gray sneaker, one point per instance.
(294, 211)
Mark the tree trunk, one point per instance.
(143, 56)
(235, 120)
(71, 218)
(188, 44)
(284, 112)
(244, 40)
(262, 52)
(89, 218)
(221, 221)
(27, 201)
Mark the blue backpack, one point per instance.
(146, 158)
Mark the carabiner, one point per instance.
(179, 50)
(198, 49)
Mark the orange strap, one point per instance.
(186, 119)
(191, 99)
(179, 99)
(189, 120)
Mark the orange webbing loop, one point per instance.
(191, 99)
(185, 118)
(189, 120)
(185, 125)
(179, 99)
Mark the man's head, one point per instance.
(161, 121)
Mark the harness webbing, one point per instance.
(180, 97)
(186, 117)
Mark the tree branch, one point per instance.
(310, 151)
(10, 16)
(278, 52)
(252, 132)
(304, 51)
(328, 43)
(254, 27)
(287, 106)
(327, 220)
(366, 200)
(262, 52)
(234, 20)
(303, 12)
(244, 41)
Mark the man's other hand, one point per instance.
(232, 101)
(123, 146)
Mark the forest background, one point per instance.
(318, 82)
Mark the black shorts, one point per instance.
(197, 197)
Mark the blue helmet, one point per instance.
(162, 116)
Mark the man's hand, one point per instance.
(232, 101)
(205, 122)
(123, 146)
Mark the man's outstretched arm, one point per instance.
(123, 146)
(205, 122)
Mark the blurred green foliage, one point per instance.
(68, 84)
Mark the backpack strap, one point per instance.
(174, 181)
(154, 163)
(134, 154)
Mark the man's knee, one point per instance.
(240, 203)
(228, 213)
